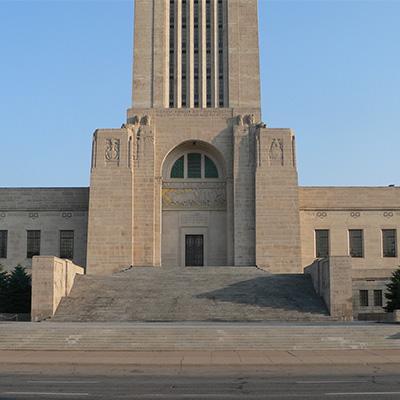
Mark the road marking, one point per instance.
(63, 382)
(43, 394)
(318, 382)
(362, 394)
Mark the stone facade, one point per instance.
(199, 94)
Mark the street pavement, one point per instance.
(246, 385)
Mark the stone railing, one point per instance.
(52, 279)
(332, 280)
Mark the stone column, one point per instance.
(178, 54)
(243, 193)
(144, 195)
(190, 54)
(214, 53)
(202, 55)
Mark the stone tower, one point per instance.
(194, 178)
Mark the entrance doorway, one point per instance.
(194, 250)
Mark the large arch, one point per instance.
(194, 218)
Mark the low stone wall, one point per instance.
(332, 280)
(52, 279)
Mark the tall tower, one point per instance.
(196, 54)
(194, 178)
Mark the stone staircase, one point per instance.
(201, 336)
(192, 294)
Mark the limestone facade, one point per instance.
(195, 164)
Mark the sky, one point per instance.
(330, 70)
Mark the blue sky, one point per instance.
(330, 71)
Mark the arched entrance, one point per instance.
(194, 206)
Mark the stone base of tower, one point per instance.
(277, 220)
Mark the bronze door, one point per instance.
(194, 250)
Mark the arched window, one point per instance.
(194, 166)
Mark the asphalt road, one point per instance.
(207, 386)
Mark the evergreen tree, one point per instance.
(4, 298)
(19, 291)
(393, 292)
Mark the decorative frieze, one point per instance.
(33, 215)
(355, 214)
(66, 215)
(203, 196)
(321, 214)
(388, 214)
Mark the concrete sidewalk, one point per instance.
(262, 358)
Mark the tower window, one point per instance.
(322, 243)
(178, 168)
(389, 248)
(194, 166)
(356, 243)
(3, 244)
(33, 244)
(67, 244)
(364, 298)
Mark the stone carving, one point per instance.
(276, 152)
(2, 214)
(355, 214)
(194, 198)
(146, 120)
(388, 214)
(112, 149)
(322, 214)
(33, 215)
(66, 214)
(135, 120)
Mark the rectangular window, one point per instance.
(356, 243)
(322, 243)
(33, 244)
(3, 244)
(364, 298)
(67, 244)
(378, 299)
(389, 248)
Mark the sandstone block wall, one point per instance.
(332, 279)
(341, 209)
(276, 202)
(52, 279)
(48, 210)
(110, 233)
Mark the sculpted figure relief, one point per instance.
(112, 149)
(276, 152)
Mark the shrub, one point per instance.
(393, 292)
(15, 291)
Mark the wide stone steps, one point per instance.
(196, 336)
(192, 294)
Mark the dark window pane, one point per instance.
(194, 165)
(389, 243)
(378, 302)
(3, 244)
(67, 244)
(33, 244)
(364, 298)
(210, 168)
(177, 169)
(356, 243)
(322, 243)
